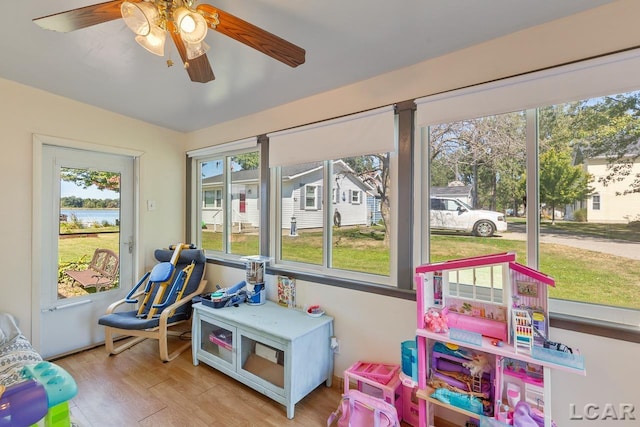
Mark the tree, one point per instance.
(610, 127)
(561, 182)
(487, 152)
(86, 178)
(374, 170)
(247, 160)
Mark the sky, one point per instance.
(70, 189)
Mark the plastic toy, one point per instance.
(57, 382)
(436, 320)
(44, 394)
(500, 309)
(525, 416)
(478, 365)
(22, 404)
(460, 400)
(314, 311)
(226, 297)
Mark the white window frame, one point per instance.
(305, 195)
(217, 199)
(596, 201)
(355, 197)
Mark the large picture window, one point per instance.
(564, 175)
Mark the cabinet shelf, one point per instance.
(425, 394)
(506, 350)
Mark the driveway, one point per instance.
(619, 248)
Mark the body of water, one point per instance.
(90, 216)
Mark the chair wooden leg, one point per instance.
(128, 343)
(108, 340)
(166, 356)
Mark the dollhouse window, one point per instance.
(479, 284)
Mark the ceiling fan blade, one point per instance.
(199, 69)
(82, 17)
(253, 36)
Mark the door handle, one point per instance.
(62, 307)
(130, 244)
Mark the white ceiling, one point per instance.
(345, 41)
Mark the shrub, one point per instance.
(81, 264)
(75, 222)
(634, 225)
(580, 215)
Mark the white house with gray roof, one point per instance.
(302, 195)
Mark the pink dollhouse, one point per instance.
(494, 352)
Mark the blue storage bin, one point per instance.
(409, 353)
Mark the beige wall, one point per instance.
(371, 327)
(26, 111)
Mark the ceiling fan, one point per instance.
(187, 24)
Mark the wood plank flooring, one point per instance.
(136, 389)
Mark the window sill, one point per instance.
(583, 325)
(602, 328)
(356, 285)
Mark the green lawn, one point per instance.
(72, 248)
(580, 275)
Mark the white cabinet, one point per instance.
(280, 352)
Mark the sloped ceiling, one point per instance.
(345, 42)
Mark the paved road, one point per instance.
(620, 248)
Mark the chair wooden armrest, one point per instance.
(168, 312)
(112, 307)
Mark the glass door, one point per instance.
(217, 340)
(87, 244)
(263, 360)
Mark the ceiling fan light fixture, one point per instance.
(195, 50)
(192, 25)
(139, 17)
(154, 41)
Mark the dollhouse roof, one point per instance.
(534, 274)
(483, 260)
(461, 263)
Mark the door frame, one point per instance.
(37, 214)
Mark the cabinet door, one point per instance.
(217, 342)
(263, 360)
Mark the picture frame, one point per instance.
(527, 289)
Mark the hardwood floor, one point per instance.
(135, 388)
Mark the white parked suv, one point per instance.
(454, 215)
